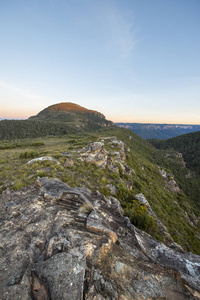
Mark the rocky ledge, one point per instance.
(59, 242)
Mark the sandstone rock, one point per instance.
(97, 154)
(68, 163)
(49, 250)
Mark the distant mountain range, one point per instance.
(159, 131)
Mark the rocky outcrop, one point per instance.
(170, 181)
(52, 248)
(109, 152)
(95, 153)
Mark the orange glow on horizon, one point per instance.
(25, 114)
(154, 120)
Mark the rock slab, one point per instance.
(51, 248)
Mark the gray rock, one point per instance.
(96, 153)
(112, 188)
(43, 159)
(142, 199)
(51, 251)
(169, 181)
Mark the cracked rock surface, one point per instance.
(52, 248)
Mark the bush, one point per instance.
(105, 191)
(86, 208)
(18, 185)
(139, 217)
(29, 154)
(37, 144)
(42, 174)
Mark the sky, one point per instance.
(132, 60)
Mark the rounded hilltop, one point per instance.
(68, 107)
(71, 113)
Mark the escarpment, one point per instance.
(59, 242)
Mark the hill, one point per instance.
(72, 113)
(58, 119)
(159, 131)
(187, 144)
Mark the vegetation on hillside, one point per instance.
(178, 212)
(187, 144)
(20, 129)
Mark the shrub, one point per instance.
(29, 154)
(139, 217)
(37, 144)
(42, 174)
(105, 191)
(86, 208)
(18, 185)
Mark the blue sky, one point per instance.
(132, 60)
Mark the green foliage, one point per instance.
(124, 194)
(36, 144)
(7, 145)
(137, 212)
(18, 185)
(12, 129)
(138, 215)
(187, 144)
(29, 154)
(42, 174)
(105, 191)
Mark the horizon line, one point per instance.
(119, 122)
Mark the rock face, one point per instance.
(59, 242)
